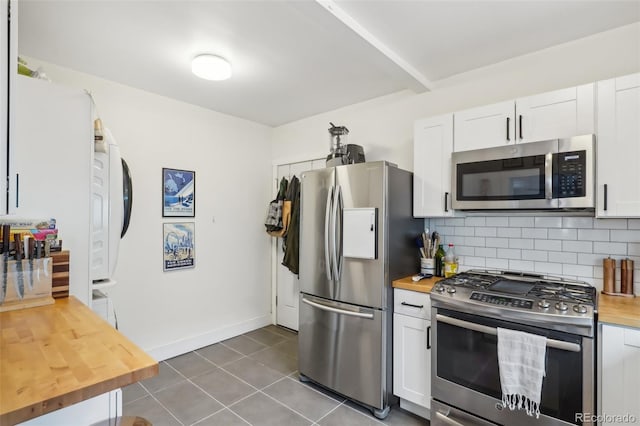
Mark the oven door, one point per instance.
(465, 372)
(509, 177)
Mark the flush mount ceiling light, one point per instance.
(211, 67)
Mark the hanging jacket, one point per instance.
(274, 221)
(292, 239)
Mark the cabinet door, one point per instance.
(558, 114)
(620, 373)
(50, 168)
(432, 147)
(411, 359)
(485, 127)
(618, 147)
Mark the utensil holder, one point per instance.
(25, 283)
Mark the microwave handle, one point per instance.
(548, 177)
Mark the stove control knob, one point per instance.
(439, 288)
(561, 306)
(543, 304)
(451, 290)
(581, 309)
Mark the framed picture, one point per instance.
(179, 249)
(178, 193)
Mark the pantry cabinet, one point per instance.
(557, 114)
(412, 351)
(618, 147)
(432, 148)
(619, 374)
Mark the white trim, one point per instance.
(192, 343)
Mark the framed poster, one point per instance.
(178, 193)
(179, 249)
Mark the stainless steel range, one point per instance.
(466, 311)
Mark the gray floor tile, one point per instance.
(167, 376)
(289, 347)
(222, 418)
(400, 417)
(219, 354)
(244, 345)
(191, 364)
(289, 334)
(276, 360)
(253, 372)
(304, 400)
(223, 386)
(188, 403)
(265, 337)
(326, 392)
(132, 392)
(260, 410)
(345, 416)
(151, 410)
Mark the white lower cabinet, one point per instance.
(619, 375)
(412, 351)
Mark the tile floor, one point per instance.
(250, 379)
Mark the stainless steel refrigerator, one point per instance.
(357, 234)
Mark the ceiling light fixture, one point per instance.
(211, 67)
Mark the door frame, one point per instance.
(274, 243)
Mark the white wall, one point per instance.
(384, 126)
(228, 292)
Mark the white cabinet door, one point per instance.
(620, 373)
(558, 114)
(432, 148)
(8, 72)
(50, 172)
(618, 147)
(411, 359)
(485, 127)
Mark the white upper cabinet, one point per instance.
(558, 114)
(618, 147)
(484, 127)
(432, 148)
(8, 71)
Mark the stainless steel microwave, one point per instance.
(552, 174)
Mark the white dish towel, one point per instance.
(521, 361)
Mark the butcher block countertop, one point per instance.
(619, 310)
(611, 309)
(57, 355)
(423, 286)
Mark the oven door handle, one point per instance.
(552, 343)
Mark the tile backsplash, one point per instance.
(567, 246)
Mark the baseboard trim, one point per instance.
(416, 409)
(192, 343)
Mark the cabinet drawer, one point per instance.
(412, 303)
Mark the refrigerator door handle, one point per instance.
(337, 237)
(327, 227)
(337, 310)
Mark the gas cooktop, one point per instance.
(519, 295)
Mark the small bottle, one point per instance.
(439, 261)
(450, 262)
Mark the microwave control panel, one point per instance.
(569, 174)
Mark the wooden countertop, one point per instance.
(423, 286)
(611, 309)
(57, 355)
(619, 310)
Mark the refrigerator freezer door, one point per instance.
(340, 347)
(316, 232)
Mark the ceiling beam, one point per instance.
(422, 83)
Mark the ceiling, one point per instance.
(294, 59)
